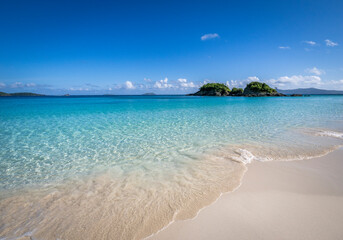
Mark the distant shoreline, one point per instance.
(139, 95)
(303, 91)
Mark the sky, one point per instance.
(168, 47)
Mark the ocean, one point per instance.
(124, 167)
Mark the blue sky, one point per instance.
(133, 47)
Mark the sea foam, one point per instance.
(331, 134)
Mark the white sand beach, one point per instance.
(277, 200)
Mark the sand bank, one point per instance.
(277, 200)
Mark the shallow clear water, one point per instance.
(154, 140)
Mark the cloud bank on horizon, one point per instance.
(183, 85)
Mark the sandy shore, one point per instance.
(277, 200)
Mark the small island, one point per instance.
(253, 89)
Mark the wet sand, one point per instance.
(277, 200)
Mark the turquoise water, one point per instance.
(48, 141)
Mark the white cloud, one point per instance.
(78, 89)
(184, 84)
(147, 79)
(253, 79)
(312, 43)
(234, 83)
(337, 82)
(241, 83)
(182, 80)
(284, 47)
(129, 85)
(330, 43)
(180, 83)
(22, 85)
(16, 85)
(163, 83)
(206, 81)
(315, 70)
(334, 84)
(2, 85)
(189, 85)
(209, 36)
(295, 80)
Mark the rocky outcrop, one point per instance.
(211, 92)
(296, 95)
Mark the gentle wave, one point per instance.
(331, 134)
(138, 204)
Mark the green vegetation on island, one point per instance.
(236, 92)
(20, 94)
(2, 94)
(259, 87)
(253, 89)
(220, 87)
(213, 89)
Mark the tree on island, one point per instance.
(236, 92)
(215, 89)
(259, 87)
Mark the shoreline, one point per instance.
(184, 218)
(247, 163)
(213, 222)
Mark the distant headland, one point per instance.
(312, 91)
(20, 94)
